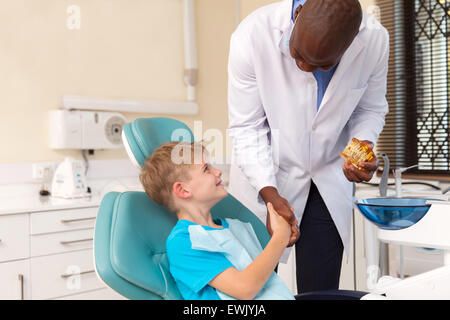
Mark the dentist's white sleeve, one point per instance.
(248, 125)
(368, 119)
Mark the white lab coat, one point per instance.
(279, 137)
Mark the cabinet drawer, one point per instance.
(15, 280)
(64, 220)
(102, 294)
(45, 244)
(14, 242)
(63, 274)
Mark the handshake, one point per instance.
(280, 216)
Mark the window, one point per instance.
(417, 126)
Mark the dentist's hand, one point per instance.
(284, 209)
(353, 174)
(280, 227)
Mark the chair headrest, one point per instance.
(142, 136)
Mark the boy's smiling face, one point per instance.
(205, 185)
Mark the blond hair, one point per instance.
(168, 164)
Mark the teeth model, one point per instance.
(357, 151)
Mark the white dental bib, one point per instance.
(240, 246)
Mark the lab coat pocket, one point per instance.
(282, 180)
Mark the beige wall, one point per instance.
(247, 6)
(124, 50)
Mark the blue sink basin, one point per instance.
(394, 213)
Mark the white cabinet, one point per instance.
(15, 280)
(63, 274)
(102, 294)
(63, 220)
(49, 255)
(60, 242)
(14, 242)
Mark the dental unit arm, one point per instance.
(398, 179)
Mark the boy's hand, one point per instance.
(280, 227)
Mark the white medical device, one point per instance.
(75, 129)
(69, 180)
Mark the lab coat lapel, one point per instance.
(284, 24)
(284, 40)
(346, 62)
(336, 82)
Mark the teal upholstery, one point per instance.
(131, 229)
(103, 265)
(144, 135)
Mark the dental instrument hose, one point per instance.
(409, 182)
(86, 161)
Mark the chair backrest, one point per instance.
(131, 229)
(142, 136)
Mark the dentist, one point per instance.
(305, 77)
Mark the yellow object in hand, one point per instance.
(356, 152)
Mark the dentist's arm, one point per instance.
(248, 125)
(249, 129)
(368, 119)
(246, 284)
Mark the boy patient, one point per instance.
(210, 258)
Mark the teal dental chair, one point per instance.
(131, 230)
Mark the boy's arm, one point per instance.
(246, 284)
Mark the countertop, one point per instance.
(28, 204)
(26, 198)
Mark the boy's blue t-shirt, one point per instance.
(197, 254)
(193, 269)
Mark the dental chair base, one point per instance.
(332, 295)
